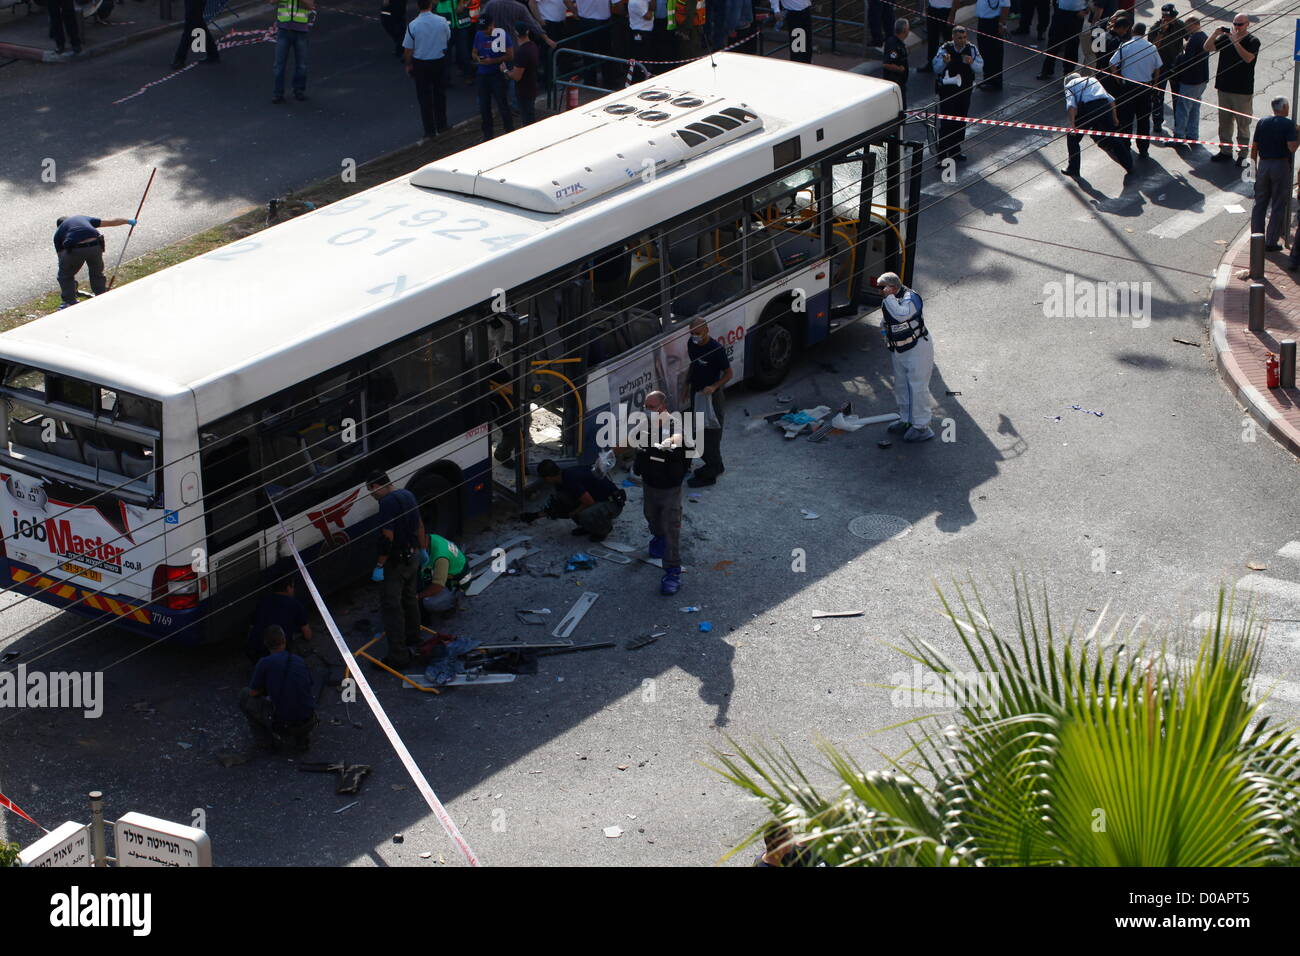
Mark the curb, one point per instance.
(1230, 370)
(41, 55)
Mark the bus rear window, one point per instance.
(87, 431)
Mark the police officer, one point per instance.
(1088, 106)
(280, 700)
(661, 463)
(1138, 62)
(710, 372)
(78, 242)
(991, 22)
(401, 533)
(1063, 36)
(903, 327)
(895, 54)
(444, 574)
(424, 49)
(954, 70)
(590, 500)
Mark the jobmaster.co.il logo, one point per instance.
(58, 536)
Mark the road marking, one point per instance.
(1184, 222)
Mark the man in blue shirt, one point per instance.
(1137, 61)
(1270, 149)
(991, 22)
(397, 567)
(1088, 106)
(493, 46)
(280, 700)
(424, 49)
(1063, 36)
(278, 609)
(78, 242)
(710, 371)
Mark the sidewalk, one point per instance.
(27, 36)
(1240, 353)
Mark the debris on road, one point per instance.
(808, 515)
(580, 561)
(613, 833)
(706, 626)
(1087, 411)
(348, 807)
(1256, 566)
(644, 639)
(1187, 342)
(838, 613)
(570, 620)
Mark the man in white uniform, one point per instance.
(913, 353)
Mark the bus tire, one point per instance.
(772, 355)
(439, 505)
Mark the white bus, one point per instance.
(505, 295)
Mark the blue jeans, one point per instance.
(492, 88)
(295, 40)
(1187, 112)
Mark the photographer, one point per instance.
(1235, 81)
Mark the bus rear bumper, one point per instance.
(119, 610)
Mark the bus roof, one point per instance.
(251, 318)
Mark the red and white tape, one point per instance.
(386, 725)
(1012, 124)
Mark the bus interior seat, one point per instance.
(131, 409)
(136, 466)
(26, 434)
(104, 459)
(68, 448)
(765, 260)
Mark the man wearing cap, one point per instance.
(1088, 106)
(1168, 36)
(908, 341)
(78, 242)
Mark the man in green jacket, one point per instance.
(444, 573)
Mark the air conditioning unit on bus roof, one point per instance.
(610, 146)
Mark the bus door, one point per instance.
(876, 192)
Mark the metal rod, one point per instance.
(1257, 255)
(1286, 372)
(97, 849)
(1255, 314)
(132, 229)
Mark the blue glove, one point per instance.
(424, 557)
(130, 222)
(377, 574)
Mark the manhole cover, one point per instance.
(879, 527)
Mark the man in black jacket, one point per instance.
(661, 463)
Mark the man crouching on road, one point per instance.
(590, 500)
(913, 354)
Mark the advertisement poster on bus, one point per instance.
(82, 542)
(665, 367)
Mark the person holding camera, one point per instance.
(1235, 82)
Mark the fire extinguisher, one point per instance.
(571, 95)
(1271, 369)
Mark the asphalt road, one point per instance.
(1146, 510)
(219, 144)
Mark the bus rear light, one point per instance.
(176, 587)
